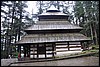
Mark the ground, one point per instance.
(80, 61)
(91, 60)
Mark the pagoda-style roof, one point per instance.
(43, 38)
(50, 25)
(53, 26)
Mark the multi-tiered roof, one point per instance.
(53, 26)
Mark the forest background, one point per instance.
(15, 18)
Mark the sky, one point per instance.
(31, 5)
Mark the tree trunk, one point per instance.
(19, 33)
(15, 41)
(91, 32)
(20, 22)
(20, 25)
(95, 34)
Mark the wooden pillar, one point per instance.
(37, 51)
(45, 50)
(24, 50)
(19, 52)
(34, 50)
(20, 49)
(68, 46)
(53, 49)
(28, 50)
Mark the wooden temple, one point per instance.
(51, 29)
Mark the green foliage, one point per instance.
(86, 13)
(4, 54)
(12, 23)
(15, 54)
(95, 47)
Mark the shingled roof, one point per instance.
(52, 21)
(46, 25)
(43, 38)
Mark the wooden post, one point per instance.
(45, 50)
(68, 46)
(28, 50)
(24, 50)
(19, 52)
(53, 49)
(20, 49)
(33, 50)
(37, 51)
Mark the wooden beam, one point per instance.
(49, 50)
(74, 46)
(33, 54)
(67, 50)
(67, 47)
(50, 53)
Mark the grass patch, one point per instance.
(96, 47)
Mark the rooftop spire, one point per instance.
(52, 9)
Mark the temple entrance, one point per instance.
(41, 51)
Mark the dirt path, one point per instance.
(81, 61)
(6, 62)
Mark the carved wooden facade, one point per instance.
(52, 29)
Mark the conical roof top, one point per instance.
(52, 9)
